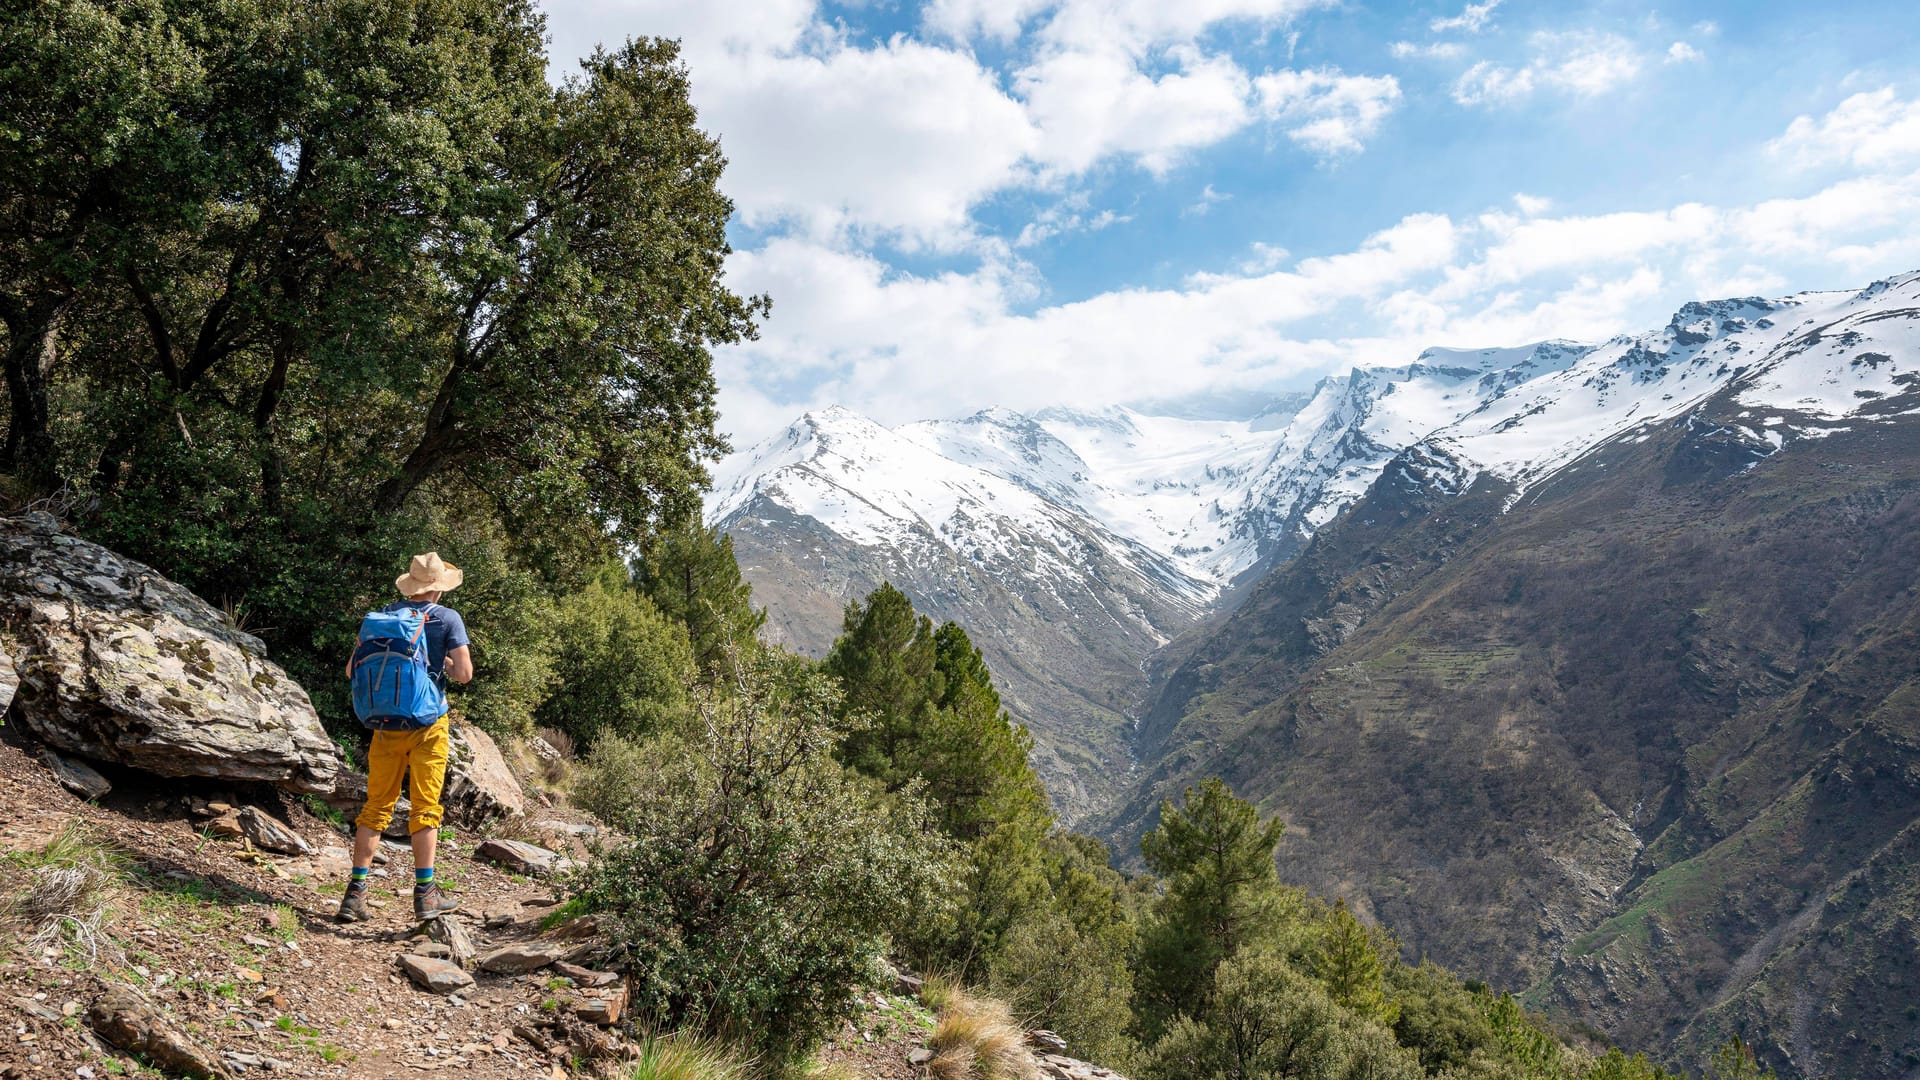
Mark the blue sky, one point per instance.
(1028, 202)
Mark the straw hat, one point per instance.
(428, 573)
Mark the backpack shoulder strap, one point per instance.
(424, 617)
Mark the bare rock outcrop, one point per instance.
(109, 660)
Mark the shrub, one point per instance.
(1264, 1018)
(619, 665)
(1076, 984)
(759, 877)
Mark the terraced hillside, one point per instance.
(1644, 743)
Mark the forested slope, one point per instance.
(1647, 743)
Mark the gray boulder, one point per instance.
(107, 659)
(479, 788)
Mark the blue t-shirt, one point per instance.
(446, 631)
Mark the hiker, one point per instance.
(407, 652)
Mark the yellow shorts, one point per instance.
(421, 756)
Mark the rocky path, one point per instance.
(236, 949)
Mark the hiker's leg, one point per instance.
(364, 842)
(426, 843)
(386, 763)
(427, 775)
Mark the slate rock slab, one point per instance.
(449, 931)
(520, 958)
(522, 857)
(112, 661)
(433, 975)
(76, 775)
(270, 835)
(127, 1020)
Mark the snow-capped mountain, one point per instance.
(1072, 543)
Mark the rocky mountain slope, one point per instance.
(1629, 719)
(1586, 666)
(1073, 545)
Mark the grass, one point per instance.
(325, 811)
(71, 887)
(683, 1056)
(977, 1039)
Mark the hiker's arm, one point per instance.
(459, 665)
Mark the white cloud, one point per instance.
(1092, 104)
(901, 347)
(1434, 50)
(1209, 198)
(1532, 205)
(1001, 20)
(1069, 217)
(1868, 130)
(1580, 63)
(903, 138)
(1472, 19)
(1681, 53)
(1325, 111)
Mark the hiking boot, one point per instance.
(353, 907)
(431, 903)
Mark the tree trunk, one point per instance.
(33, 345)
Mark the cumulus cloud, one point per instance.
(1433, 50)
(1580, 63)
(1869, 130)
(1682, 53)
(1472, 19)
(1096, 103)
(889, 344)
(901, 140)
(1326, 111)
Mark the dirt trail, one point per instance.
(239, 948)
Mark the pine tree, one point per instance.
(691, 576)
(884, 660)
(1348, 962)
(1222, 894)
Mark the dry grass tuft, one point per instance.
(977, 1039)
(561, 742)
(68, 898)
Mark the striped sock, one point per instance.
(359, 879)
(422, 879)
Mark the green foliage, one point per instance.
(619, 665)
(1215, 854)
(759, 877)
(1735, 1060)
(1264, 1019)
(689, 573)
(920, 707)
(1350, 962)
(884, 661)
(291, 291)
(1057, 976)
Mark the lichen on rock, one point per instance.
(106, 658)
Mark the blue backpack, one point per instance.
(393, 687)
